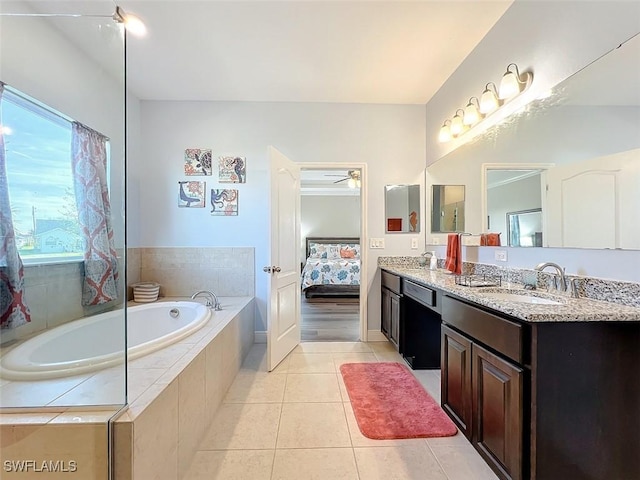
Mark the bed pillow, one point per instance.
(355, 247)
(314, 252)
(324, 250)
(346, 252)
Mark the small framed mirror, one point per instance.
(402, 208)
(447, 208)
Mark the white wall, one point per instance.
(328, 216)
(554, 40)
(381, 136)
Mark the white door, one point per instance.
(283, 311)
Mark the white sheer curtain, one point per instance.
(89, 160)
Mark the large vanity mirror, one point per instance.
(573, 157)
(402, 208)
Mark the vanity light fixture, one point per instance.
(472, 113)
(513, 83)
(457, 126)
(445, 132)
(132, 23)
(489, 99)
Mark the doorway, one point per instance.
(333, 257)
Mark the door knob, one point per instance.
(271, 269)
(277, 269)
(266, 269)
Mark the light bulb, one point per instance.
(135, 26)
(6, 130)
(445, 132)
(471, 113)
(351, 183)
(488, 100)
(456, 123)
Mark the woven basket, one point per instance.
(145, 292)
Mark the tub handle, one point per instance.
(174, 312)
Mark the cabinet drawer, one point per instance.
(503, 335)
(391, 281)
(422, 294)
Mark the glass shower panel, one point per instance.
(63, 125)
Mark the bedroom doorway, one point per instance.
(332, 232)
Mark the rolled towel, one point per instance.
(490, 239)
(453, 262)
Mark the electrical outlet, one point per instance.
(500, 255)
(414, 243)
(435, 241)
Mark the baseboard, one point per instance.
(375, 336)
(260, 336)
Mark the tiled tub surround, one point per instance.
(600, 300)
(181, 271)
(172, 395)
(157, 436)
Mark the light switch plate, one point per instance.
(414, 243)
(376, 243)
(500, 255)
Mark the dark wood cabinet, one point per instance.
(391, 308)
(497, 387)
(455, 391)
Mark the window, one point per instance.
(38, 161)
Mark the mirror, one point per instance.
(447, 208)
(524, 228)
(402, 208)
(582, 147)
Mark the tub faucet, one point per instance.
(212, 301)
(562, 284)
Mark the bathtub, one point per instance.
(94, 343)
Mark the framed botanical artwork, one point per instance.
(224, 202)
(197, 161)
(232, 170)
(191, 194)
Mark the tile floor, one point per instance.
(296, 423)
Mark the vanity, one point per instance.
(543, 386)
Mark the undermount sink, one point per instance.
(522, 297)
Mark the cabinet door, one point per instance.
(497, 412)
(456, 378)
(395, 319)
(385, 314)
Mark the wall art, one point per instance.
(224, 202)
(192, 194)
(197, 161)
(232, 170)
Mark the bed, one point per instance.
(332, 267)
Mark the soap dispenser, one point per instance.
(433, 263)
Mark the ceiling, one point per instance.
(391, 52)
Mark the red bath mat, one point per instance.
(389, 403)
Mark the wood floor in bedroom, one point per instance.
(330, 319)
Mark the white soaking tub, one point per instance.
(94, 343)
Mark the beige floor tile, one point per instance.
(238, 426)
(356, 357)
(430, 381)
(405, 462)
(332, 347)
(256, 360)
(462, 462)
(381, 347)
(256, 387)
(343, 388)
(231, 465)
(392, 356)
(312, 387)
(457, 440)
(359, 440)
(311, 363)
(315, 464)
(313, 425)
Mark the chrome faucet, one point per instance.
(562, 284)
(212, 301)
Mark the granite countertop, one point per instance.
(570, 309)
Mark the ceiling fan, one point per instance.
(353, 178)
